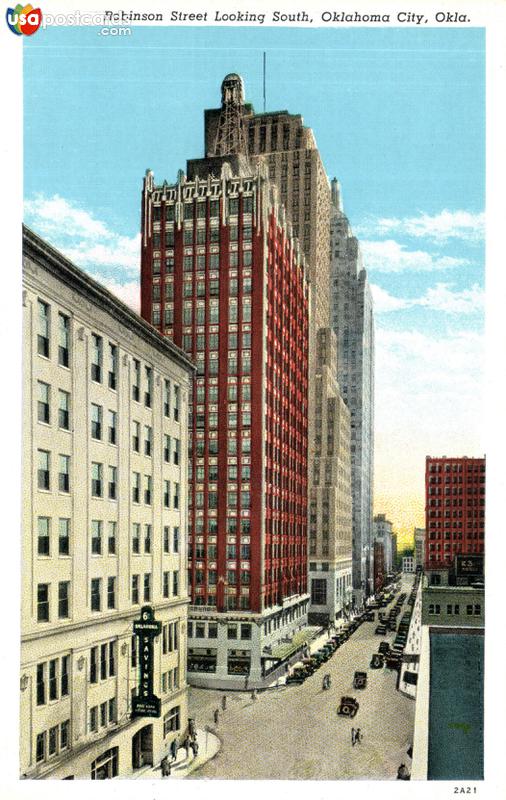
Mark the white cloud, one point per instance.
(390, 256)
(440, 227)
(440, 297)
(129, 292)
(81, 237)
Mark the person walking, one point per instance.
(186, 745)
(246, 682)
(224, 702)
(195, 748)
(358, 736)
(166, 767)
(254, 695)
(216, 715)
(174, 746)
(353, 737)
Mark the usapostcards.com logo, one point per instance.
(24, 20)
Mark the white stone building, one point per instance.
(105, 406)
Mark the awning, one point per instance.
(299, 640)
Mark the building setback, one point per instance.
(223, 276)
(383, 531)
(454, 509)
(105, 406)
(353, 323)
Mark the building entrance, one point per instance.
(142, 748)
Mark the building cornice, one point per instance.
(55, 262)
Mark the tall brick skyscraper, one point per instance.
(454, 509)
(287, 147)
(222, 275)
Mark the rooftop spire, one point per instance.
(230, 136)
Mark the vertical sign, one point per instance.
(146, 703)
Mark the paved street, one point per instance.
(294, 731)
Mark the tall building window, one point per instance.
(176, 402)
(136, 537)
(113, 365)
(96, 358)
(147, 587)
(63, 599)
(166, 585)
(148, 440)
(166, 397)
(111, 592)
(149, 386)
(95, 593)
(175, 540)
(43, 334)
(63, 537)
(111, 538)
(136, 385)
(64, 474)
(147, 538)
(113, 482)
(43, 413)
(63, 410)
(43, 536)
(136, 487)
(63, 340)
(41, 685)
(175, 583)
(96, 537)
(43, 602)
(166, 448)
(96, 421)
(147, 490)
(136, 436)
(96, 479)
(112, 426)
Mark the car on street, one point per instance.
(376, 661)
(380, 630)
(360, 680)
(384, 647)
(348, 707)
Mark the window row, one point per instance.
(52, 681)
(103, 715)
(44, 601)
(53, 741)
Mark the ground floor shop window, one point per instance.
(238, 662)
(105, 766)
(319, 591)
(202, 661)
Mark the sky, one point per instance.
(399, 119)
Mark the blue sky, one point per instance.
(399, 118)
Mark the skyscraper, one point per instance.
(223, 275)
(352, 321)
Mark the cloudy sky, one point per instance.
(399, 118)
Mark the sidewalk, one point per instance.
(209, 744)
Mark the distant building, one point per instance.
(105, 443)
(454, 509)
(408, 564)
(353, 323)
(382, 532)
(419, 537)
(395, 565)
(379, 565)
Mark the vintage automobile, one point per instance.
(376, 661)
(360, 680)
(310, 665)
(348, 707)
(393, 661)
(298, 674)
(384, 647)
(368, 616)
(322, 655)
(381, 630)
(391, 625)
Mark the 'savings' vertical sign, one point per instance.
(146, 703)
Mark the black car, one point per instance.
(376, 661)
(381, 630)
(384, 647)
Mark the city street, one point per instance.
(294, 731)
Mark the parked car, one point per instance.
(360, 680)
(384, 647)
(322, 655)
(380, 630)
(369, 616)
(392, 625)
(348, 707)
(376, 661)
(310, 664)
(298, 674)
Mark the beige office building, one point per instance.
(105, 408)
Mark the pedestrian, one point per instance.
(186, 745)
(254, 695)
(216, 715)
(246, 681)
(195, 748)
(353, 737)
(358, 736)
(224, 702)
(174, 746)
(166, 767)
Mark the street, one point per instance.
(294, 731)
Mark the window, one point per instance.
(147, 538)
(166, 584)
(96, 594)
(166, 539)
(96, 358)
(43, 403)
(43, 602)
(112, 427)
(318, 591)
(176, 495)
(63, 599)
(166, 397)
(175, 540)
(136, 390)
(43, 536)
(166, 494)
(136, 487)
(148, 372)
(147, 490)
(171, 721)
(43, 334)
(245, 631)
(136, 434)
(40, 751)
(176, 402)
(64, 734)
(434, 608)
(96, 421)
(232, 632)
(63, 340)
(64, 676)
(136, 537)
(147, 587)
(113, 365)
(135, 589)
(175, 583)
(212, 630)
(96, 479)
(43, 470)
(176, 451)
(63, 537)
(64, 474)
(111, 592)
(113, 482)
(63, 410)
(41, 684)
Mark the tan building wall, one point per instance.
(71, 715)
